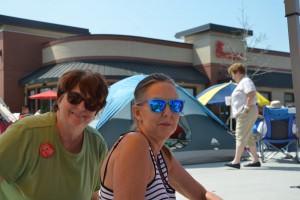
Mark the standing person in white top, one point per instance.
(245, 111)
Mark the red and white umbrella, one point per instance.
(49, 94)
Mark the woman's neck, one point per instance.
(239, 78)
(155, 146)
(71, 138)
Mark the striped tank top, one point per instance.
(157, 189)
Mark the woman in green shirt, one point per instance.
(56, 155)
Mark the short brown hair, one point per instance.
(237, 67)
(90, 83)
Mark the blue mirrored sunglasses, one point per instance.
(159, 105)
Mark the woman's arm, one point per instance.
(249, 101)
(131, 168)
(95, 195)
(186, 185)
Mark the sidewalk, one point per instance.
(272, 181)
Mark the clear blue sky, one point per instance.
(159, 19)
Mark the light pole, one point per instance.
(292, 14)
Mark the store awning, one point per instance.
(116, 70)
(273, 79)
(268, 79)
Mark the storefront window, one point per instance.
(289, 99)
(31, 102)
(191, 91)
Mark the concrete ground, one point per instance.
(275, 180)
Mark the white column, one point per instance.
(292, 14)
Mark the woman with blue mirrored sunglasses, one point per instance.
(140, 166)
(159, 105)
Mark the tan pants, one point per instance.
(244, 127)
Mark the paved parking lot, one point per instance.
(275, 180)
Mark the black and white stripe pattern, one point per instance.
(157, 189)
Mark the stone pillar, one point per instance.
(292, 14)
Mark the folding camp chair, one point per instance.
(279, 136)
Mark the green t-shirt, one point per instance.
(62, 176)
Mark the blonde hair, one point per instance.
(237, 67)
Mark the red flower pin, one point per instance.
(46, 150)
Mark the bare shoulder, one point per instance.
(134, 140)
(133, 145)
(129, 169)
(129, 158)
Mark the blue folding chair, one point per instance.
(279, 136)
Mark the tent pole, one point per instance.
(230, 119)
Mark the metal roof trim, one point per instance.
(117, 70)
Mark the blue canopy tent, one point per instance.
(209, 136)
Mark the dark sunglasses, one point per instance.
(75, 98)
(159, 105)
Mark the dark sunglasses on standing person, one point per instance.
(75, 98)
(159, 105)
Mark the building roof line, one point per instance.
(7, 20)
(214, 28)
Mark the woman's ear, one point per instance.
(59, 101)
(136, 112)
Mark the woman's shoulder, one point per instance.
(37, 121)
(92, 130)
(134, 140)
(246, 80)
(131, 148)
(94, 137)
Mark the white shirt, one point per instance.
(239, 95)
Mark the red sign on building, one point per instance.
(221, 54)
